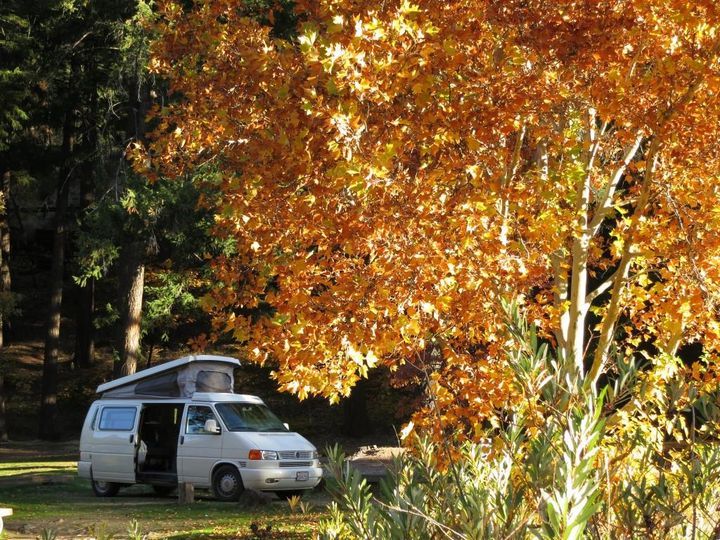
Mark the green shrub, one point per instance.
(634, 460)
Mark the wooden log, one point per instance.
(186, 493)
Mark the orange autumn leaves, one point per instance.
(398, 168)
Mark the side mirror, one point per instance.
(211, 426)
(287, 426)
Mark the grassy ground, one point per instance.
(45, 494)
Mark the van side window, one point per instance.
(117, 419)
(93, 423)
(196, 417)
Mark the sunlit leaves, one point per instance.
(399, 167)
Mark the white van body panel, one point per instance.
(198, 453)
(114, 446)
(108, 442)
(86, 441)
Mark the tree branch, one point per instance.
(509, 174)
(604, 286)
(606, 204)
(560, 294)
(613, 311)
(619, 278)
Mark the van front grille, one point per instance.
(295, 454)
(295, 463)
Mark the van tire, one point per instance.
(227, 483)
(105, 489)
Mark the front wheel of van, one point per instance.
(105, 489)
(227, 483)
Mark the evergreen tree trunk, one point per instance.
(132, 282)
(5, 288)
(5, 280)
(48, 404)
(132, 256)
(84, 329)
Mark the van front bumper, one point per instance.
(281, 479)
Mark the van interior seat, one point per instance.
(160, 437)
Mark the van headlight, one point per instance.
(262, 454)
(314, 454)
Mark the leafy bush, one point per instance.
(633, 460)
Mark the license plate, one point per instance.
(302, 476)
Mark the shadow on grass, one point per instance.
(72, 507)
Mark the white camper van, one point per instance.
(181, 422)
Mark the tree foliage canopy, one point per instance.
(396, 168)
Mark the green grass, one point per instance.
(68, 506)
(18, 469)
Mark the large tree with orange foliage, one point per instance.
(397, 168)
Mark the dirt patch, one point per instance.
(374, 462)
(28, 354)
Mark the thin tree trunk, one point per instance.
(5, 288)
(3, 422)
(575, 339)
(602, 352)
(85, 332)
(148, 360)
(132, 281)
(48, 404)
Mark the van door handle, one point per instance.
(132, 438)
(182, 439)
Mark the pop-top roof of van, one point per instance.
(156, 378)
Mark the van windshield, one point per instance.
(249, 417)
